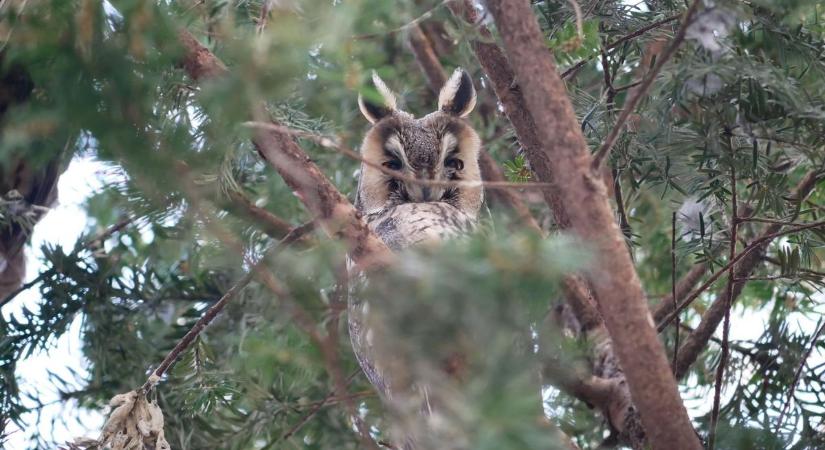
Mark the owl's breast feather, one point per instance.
(410, 224)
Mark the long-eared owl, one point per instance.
(440, 146)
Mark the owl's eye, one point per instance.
(454, 163)
(392, 164)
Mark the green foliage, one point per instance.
(517, 170)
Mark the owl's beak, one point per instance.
(422, 193)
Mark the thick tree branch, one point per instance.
(502, 78)
(564, 158)
(333, 211)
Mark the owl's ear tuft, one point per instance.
(458, 96)
(380, 104)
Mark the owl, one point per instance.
(441, 146)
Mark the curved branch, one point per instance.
(336, 215)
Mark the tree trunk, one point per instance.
(564, 159)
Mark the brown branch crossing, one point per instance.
(696, 341)
(213, 311)
(336, 215)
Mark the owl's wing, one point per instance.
(400, 227)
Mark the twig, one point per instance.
(647, 81)
(311, 413)
(798, 373)
(577, 11)
(621, 41)
(768, 278)
(624, 224)
(673, 283)
(773, 221)
(723, 359)
(94, 240)
(274, 226)
(608, 83)
(333, 144)
(426, 15)
(215, 309)
(753, 245)
(683, 287)
(262, 19)
(627, 86)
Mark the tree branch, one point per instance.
(621, 41)
(683, 288)
(502, 78)
(215, 309)
(334, 212)
(630, 104)
(673, 296)
(563, 158)
(269, 223)
(426, 58)
(697, 340)
(723, 359)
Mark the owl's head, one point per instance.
(440, 146)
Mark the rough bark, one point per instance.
(698, 339)
(336, 215)
(564, 159)
(502, 78)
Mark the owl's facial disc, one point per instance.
(428, 158)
